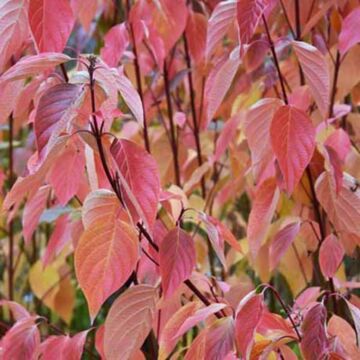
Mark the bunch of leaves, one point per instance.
(189, 189)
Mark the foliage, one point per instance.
(190, 191)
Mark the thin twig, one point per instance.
(193, 111)
(11, 224)
(334, 86)
(173, 142)
(276, 61)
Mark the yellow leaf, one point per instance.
(44, 283)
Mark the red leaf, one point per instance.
(248, 318)
(116, 41)
(257, 130)
(56, 108)
(314, 344)
(281, 242)
(316, 72)
(349, 35)
(343, 209)
(177, 259)
(196, 35)
(248, 16)
(67, 173)
(104, 259)
(262, 211)
(129, 321)
(32, 212)
(220, 20)
(293, 141)
(139, 179)
(330, 255)
(14, 29)
(32, 65)
(51, 22)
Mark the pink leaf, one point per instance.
(198, 316)
(219, 82)
(105, 257)
(248, 16)
(58, 239)
(248, 318)
(32, 212)
(314, 344)
(219, 339)
(168, 338)
(13, 29)
(218, 233)
(32, 65)
(301, 98)
(226, 136)
(116, 41)
(349, 36)
(343, 209)
(339, 141)
(64, 347)
(51, 22)
(55, 110)
(85, 11)
(293, 141)
(281, 242)
(129, 321)
(316, 72)
(8, 98)
(130, 96)
(101, 205)
(66, 174)
(99, 340)
(139, 178)
(21, 341)
(177, 259)
(257, 130)
(16, 309)
(355, 313)
(330, 256)
(335, 166)
(261, 214)
(308, 296)
(220, 20)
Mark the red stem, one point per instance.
(195, 128)
(173, 142)
(11, 224)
